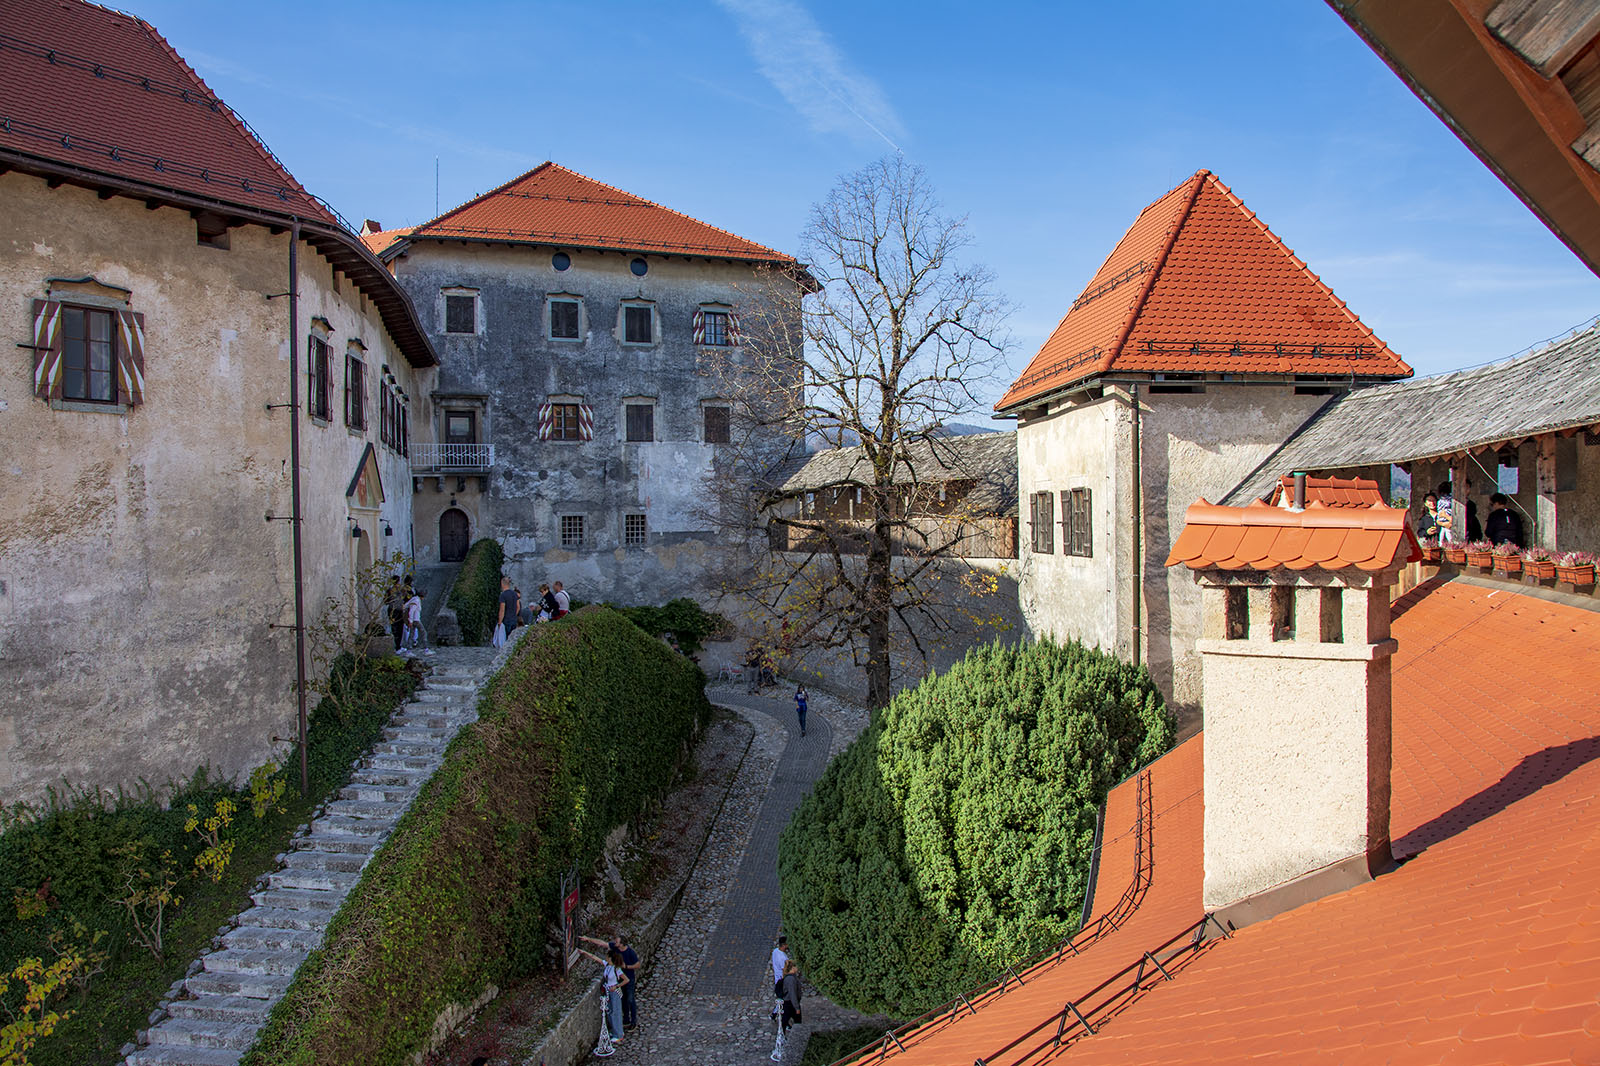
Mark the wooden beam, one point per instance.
(106, 194)
(151, 205)
(1546, 33)
(55, 182)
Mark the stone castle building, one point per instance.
(584, 332)
(146, 243)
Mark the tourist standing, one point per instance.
(506, 619)
(563, 601)
(547, 603)
(800, 707)
(414, 638)
(1445, 513)
(630, 968)
(1430, 517)
(615, 978)
(789, 992)
(1505, 525)
(780, 955)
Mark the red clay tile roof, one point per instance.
(555, 206)
(1483, 947)
(98, 90)
(1199, 284)
(380, 241)
(1330, 491)
(1264, 537)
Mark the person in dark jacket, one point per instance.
(1505, 525)
(790, 986)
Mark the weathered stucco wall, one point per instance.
(512, 359)
(138, 576)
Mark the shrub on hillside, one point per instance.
(952, 838)
(682, 617)
(475, 596)
(581, 728)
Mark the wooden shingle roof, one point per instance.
(988, 459)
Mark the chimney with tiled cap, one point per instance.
(1296, 653)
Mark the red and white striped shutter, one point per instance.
(699, 327)
(47, 349)
(547, 419)
(733, 328)
(585, 422)
(130, 358)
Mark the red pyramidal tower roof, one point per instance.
(1199, 284)
(553, 205)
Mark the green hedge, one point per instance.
(475, 597)
(576, 734)
(69, 842)
(682, 617)
(952, 837)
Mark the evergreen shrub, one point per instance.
(952, 838)
(682, 617)
(475, 597)
(582, 727)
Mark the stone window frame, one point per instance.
(622, 323)
(445, 294)
(550, 301)
(319, 372)
(355, 388)
(89, 293)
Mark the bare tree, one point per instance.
(898, 338)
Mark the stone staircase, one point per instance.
(212, 1016)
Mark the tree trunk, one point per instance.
(879, 592)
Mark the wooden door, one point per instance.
(452, 536)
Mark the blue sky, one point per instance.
(1049, 126)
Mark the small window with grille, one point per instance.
(572, 531)
(633, 530)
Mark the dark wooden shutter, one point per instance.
(47, 349)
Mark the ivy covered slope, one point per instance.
(581, 729)
(475, 596)
(953, 837)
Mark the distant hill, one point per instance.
(951, 429)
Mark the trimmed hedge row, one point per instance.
(952, 838)
(682, 617)
(475, 597)
(576, 734)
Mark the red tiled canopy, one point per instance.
(1264, 537)
(1199, 284)
(1330, 491)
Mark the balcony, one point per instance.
(451, 458)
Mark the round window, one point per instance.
(561, 260)
(639, 267)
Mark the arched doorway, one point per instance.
(452, 536)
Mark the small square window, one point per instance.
(633, 529)
(461, 314)
(641, 421)
(718, 430)
(460, 427)
(572, 531)
(717, 328)
(564, 422)
(637, 323)
(564, 320)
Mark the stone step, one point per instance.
(230, 1010)
(265, 961)
(364, 809)
(376, 828)
(379, 793)
(270, 938)
(299, 901)
(430, 716)
(284, 918)
(404, 760)
(322, 839)
(374, 776)
(463, 683)
(312, 859)
(425, 748)
(463, 696)
(336, 881)
(249, 985)
(421, 733)
(203, 1033)
(185, 1056)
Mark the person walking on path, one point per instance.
(789, 992)
(506, 620)
(780, 956)
(615, 979)
(630, 968)
(414, 635)
(800, 707)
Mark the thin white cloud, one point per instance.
(800, 61)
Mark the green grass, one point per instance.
(830, 1045)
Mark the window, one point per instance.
(564, 423)
(638, 324)
(88, 355)
(460, 427)
(355, 393)
(319, 378)
(718, 430)
(1076, 524)
(633, 529)
(564, 320)
(641, 421)
(561, 260)
(393, 431)
(716, 328)
(572, 531)
(639, 267)
(461, 313)
(1042, 520)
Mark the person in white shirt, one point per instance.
(780, 955)
(563, 601)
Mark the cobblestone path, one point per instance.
(705, 995)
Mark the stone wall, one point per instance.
(138, 577)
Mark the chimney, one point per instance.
(1296, 672)
(370, 226)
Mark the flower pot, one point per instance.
(1455, 555)
(1508, 565)
(1482, 560)
(1540, 569)
(1431, 555)
(1576, 575)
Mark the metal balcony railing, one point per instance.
(451, 458)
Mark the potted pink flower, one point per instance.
(1480, 553)
(1576, 568)
(1507, 559)
(1430, 549)
(1539, 564)
(1455, 552)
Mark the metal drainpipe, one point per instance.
(1138, 551)
(294, 495)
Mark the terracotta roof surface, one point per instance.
(556, 206)
(1264, 537)
(1329, 491)
(1199, 284)
(1555, 388)
(1482, 947)
(379, 241)
(95, 89)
